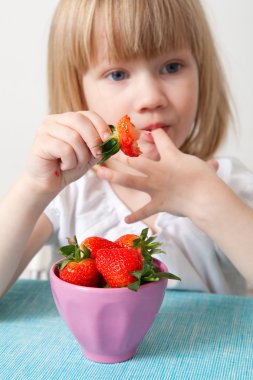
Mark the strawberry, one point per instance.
(115, 265)
(78, 268)
(99, 262)
(124, 136)
(93, 243)
(126, 240)
(147, 246)
(82, 273)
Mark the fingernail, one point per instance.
(106, 136)
(97, 151)
(128, 219)
(149, 136)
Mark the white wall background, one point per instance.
(232, 25)
(23, 95)
(23, 101)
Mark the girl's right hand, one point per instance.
(65, 148)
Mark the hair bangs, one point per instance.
(132, 29)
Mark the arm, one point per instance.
(64, 149)
(185, 185)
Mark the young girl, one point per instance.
(156, 62)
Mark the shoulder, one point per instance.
(231, 166)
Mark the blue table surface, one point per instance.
(194, 336)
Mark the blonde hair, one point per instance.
(138, 28)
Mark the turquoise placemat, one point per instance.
(195, 336)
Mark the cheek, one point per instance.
(94, 99)
(99, 100)
(191, 98)
(102, 105)
(91, 95)
(187, 110)
(189, 107)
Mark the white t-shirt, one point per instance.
(89, 207)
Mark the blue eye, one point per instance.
(171, 68)
(117, 75)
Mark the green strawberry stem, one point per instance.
(149, 273)
(109, 147)
(72, 252)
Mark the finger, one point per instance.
(86, 129)
(123, 179)
(141, 164)
(74, 139)
(162, 142)
(55, 149)
(102, 128)
(141, 214)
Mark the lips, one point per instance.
(153, 127)
(146, 134)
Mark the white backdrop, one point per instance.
(23, 95)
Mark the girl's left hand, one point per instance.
(184, 185)
(176, 183)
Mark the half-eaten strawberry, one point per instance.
(124, 137)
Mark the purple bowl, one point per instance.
(108, 323)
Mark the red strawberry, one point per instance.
(93, 243)
(82, 273)
(124, 136)
(131, 265)
(147, 245)
(116, 263)
(128, 136)
(126, 240)
(78, 268)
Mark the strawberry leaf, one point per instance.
(63, 263)
(109, 148)
(150, 279)
(168, 275)
(76, 253)
(137, 273)
(149, 273)
(135, 285)
(85, 253)
(112, 128)
(144, 233)
(67, 250)
(73, 252)
(147, 245)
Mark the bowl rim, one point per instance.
(54, 277)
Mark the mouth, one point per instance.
(153, 127)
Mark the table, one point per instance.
(194, 336)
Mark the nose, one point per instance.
(150, 94)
